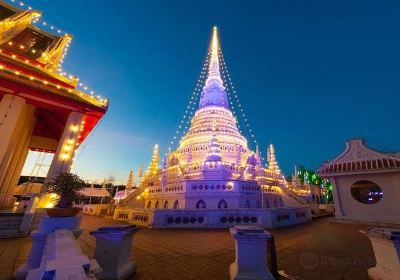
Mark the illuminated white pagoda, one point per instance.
(213, 168)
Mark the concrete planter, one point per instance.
(63, 212)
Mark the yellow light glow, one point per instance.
(64, 156)
(53, 195)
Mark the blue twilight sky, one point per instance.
(310, 74)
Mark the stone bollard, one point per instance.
(386, 245)
(113, 251)
(47, 226)
(251, 257)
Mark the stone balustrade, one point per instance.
(209, 218)
(39, 238)
(95, 209)
(62, 259)
(386, 245)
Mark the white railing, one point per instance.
(214, 218)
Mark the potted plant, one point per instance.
(67, 187)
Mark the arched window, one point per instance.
(258, 205)
(247, 205)
(149, 204)
(267, 203)
(275, 203)
(176, 204)
(157, 205)
(200, 204)
(166, 204)
(222, 204)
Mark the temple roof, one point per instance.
(34, 56)
(30, 67)
(95, 192)
(358, 158)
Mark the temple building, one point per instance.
(212, 168)
(366, 184)
(41, 108)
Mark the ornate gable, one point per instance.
(359, 158)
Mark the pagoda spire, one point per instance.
(141, 171)
(213, 70)
(131, 180)
(153, 167)
(294, 179)
(214, 93)
(272, 163)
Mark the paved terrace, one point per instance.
(317, 250)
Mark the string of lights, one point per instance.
(38, 20)
(81, 149)
(235, 104)
(191, 108)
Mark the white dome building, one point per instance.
(213, 168)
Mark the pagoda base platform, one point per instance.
(214, 218)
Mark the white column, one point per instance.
(18, 159)
(64, 155)
(251, 254)
(16, 124)
(11, 109)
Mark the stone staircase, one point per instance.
(131, 201)
(10, 224)
(294, 197)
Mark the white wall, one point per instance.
(387, 210)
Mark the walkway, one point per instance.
(318, 250)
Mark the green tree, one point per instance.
(67, 186)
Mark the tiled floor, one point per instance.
(318, 250)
